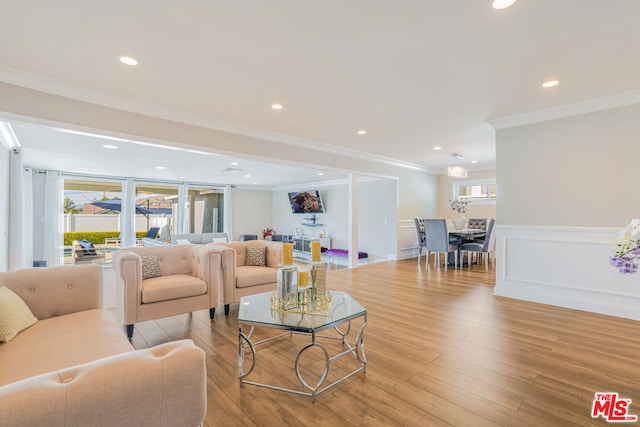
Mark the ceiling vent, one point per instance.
(228, 169)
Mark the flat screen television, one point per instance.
(304, 202)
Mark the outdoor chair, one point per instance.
(83, 251)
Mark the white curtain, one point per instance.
(183, 209)
(20, 214)
(127, 214)
(226, 219)
(53, 219)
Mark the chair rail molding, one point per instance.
(564, 266)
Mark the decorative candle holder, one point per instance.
(318, 279)
(287, 287)
(292, 294)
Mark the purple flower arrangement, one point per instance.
(627, 249)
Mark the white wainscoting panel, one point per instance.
(407, 239)
(564, 266)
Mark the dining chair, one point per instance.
(422, 237)
(476, 224)
(487, 247)
(438, 241)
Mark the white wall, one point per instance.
(417, 194)
(579, 170)
(445, 192)
(335, 197)
(251, 212)
(378, 218)
(4, 208)
(565, 187)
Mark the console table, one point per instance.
(303, 243)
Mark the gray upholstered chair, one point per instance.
(487, 247)
(477, 223)
(438, 241)
(422, 237)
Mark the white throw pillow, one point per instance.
(183, 241)
(219, 240)
(15, 316)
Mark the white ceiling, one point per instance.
(414, 73)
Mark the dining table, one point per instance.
(458, 236)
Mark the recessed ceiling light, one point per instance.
(111, 147)
(182, 177)
(361, 132)
(255, 183)
(551, 83)
(234, 163)
(502, 4)
(161, 167)
(320, 173)
(438, 148)
(128, 60)
(276, 106)
(474, 161)
(247, 176)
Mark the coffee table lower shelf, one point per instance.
(356, 350)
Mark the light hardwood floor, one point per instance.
(441, 349)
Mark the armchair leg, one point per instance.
(212, 313)
(129, 331)
(226, 309)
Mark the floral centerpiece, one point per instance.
(626, 249)
(267, 233)
(459, 206)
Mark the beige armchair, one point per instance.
(240, 279)
(161, 281)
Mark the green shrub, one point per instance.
(95, 237)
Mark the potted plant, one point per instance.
(459, 206)
(267, 233)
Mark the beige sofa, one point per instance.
(75, 366)
(200, 238)
(183, 282)
(237, 278)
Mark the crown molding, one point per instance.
(55, 87)
(583, 107)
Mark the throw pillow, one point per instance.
(219, 240)
(150, 266)
(15, 316)
(88, 247)
(256, 255)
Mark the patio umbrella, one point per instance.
(116, 205)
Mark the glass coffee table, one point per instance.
(256, 311)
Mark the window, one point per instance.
(206, 206)
(476, 191)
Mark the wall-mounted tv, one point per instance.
(303, 202)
